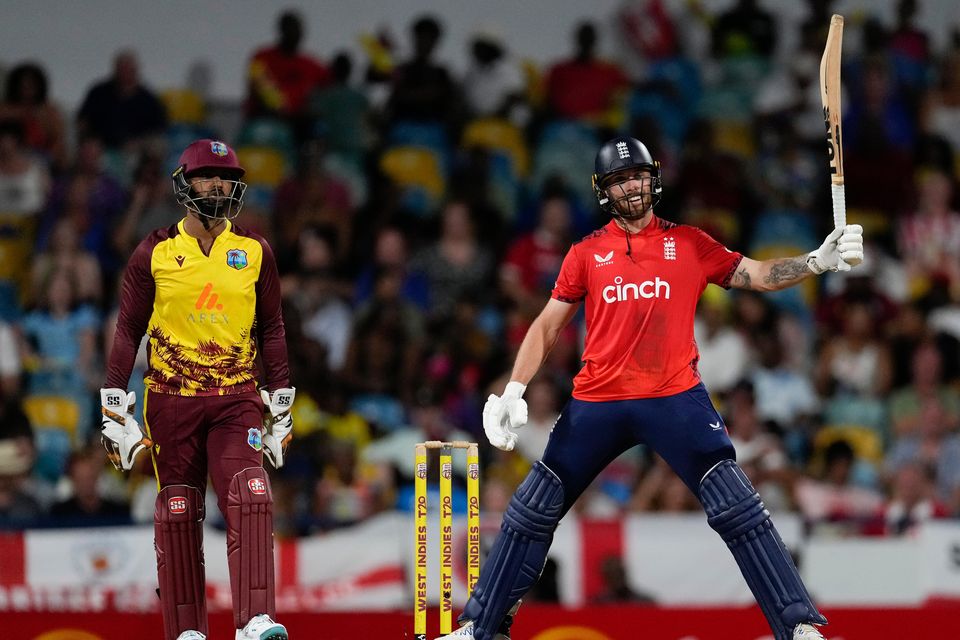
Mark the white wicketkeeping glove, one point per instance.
(121, 434)
(277, 423)
(841, 251)
(503, 414)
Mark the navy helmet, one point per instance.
(620, 154)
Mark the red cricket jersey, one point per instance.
(640, 307)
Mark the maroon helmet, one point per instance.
(210, 158)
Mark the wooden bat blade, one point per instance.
(830, 90)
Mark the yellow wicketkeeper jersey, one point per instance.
(204, 314)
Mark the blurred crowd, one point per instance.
(419, 217)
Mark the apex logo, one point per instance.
(177, 505)
(603, 260)
(257, 486)
(209, 298)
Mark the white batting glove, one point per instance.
(503, 414)
(277, 423)
(841, 251)
(121, 434)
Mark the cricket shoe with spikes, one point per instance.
(261, 627)
(191, 635)
(465, 632)
(806, 631)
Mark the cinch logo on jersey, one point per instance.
(177, 506)
(618, 291)
(257, 486)
(603, 260)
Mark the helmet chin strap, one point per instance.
(209, 222)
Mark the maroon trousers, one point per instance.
(219, 436)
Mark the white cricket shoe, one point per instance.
(261, 627)
(806, 631)
(191, 635)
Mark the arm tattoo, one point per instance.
(787, 272)
(741, 279)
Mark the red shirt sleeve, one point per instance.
(136, 306)
(571, 286)
(718, 262)
(270, 331)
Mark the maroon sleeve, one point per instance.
(136, 306)
(272, 338)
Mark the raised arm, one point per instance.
(841, 249)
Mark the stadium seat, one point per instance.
(265, 166)
(418, 172)
(54, 420)
(269, 133)
(499, 136)
(184, 106)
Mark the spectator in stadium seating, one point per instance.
(422, 89)
(313, 197)
(281, 77)
(494, 85)
(940, 105)
(543, 399)
(121, 111)
(94, 202)
(926, 397)
(584, 87)
(532, 262)
(616, 587)
(18, 508)
(391, 253)
(929, 239)
(913, 500)
(830, 496)
(150, 206)
(724, 353)
(341, 113)
(783, 395)
(64, 254)
(87, 504)
(934, 443)
(857, 361)
(59, 339)
(746, 29)
(456, 263)
(760, 452)
(24, 188)
(26, 100)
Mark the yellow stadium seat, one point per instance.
(52, 412)
(184, 106)
(865, 442)
(264, 166)
(415, 167)
(497, 134)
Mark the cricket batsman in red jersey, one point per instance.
(639, 278)
(207, 295)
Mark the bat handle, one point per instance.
(839, 205)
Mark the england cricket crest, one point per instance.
(255, 438)
(669, 248)
(237, 258)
